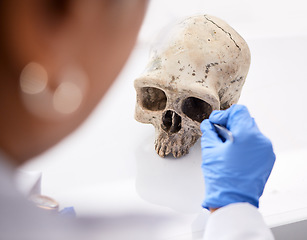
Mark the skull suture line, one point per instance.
(201, 67)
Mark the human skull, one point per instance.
(201, 66)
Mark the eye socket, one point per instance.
(153, 99)
(196, 109)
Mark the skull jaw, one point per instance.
(176, 144)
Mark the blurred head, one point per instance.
(57, 60)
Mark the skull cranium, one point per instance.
(201, 67)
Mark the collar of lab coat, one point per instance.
(6, 175)
(27, 182)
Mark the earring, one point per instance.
(42, 101)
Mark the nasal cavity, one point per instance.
(171, 121)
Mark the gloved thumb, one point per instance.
(210, 136)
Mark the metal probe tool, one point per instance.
(224, 133)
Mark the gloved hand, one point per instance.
(234, 171)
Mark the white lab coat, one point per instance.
(21, 220)
(235, 222)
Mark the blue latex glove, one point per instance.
(234, 171)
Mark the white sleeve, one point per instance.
(237, 221)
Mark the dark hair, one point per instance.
(57, 8)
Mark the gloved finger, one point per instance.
(221, 116)
(232, 118)
(240, 119)
(209, 136)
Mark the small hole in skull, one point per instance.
(196, 109)
(171, 122)
(153, 99)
